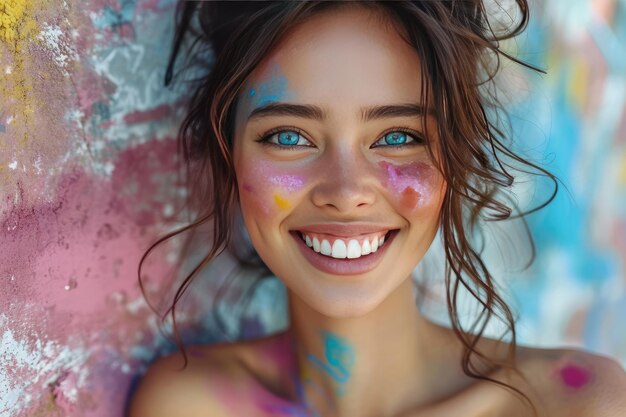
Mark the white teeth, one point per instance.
(354, 249)
(339, 249)
(316, 245)
(367, 249)
(375, 244)
(326, 250)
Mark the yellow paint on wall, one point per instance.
(16, 21)
(18, 28)
(281, 202)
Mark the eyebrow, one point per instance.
(309, 111)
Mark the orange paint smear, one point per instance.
(410, 197)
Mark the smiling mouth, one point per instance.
(345, 248)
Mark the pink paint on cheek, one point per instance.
(248, 187)
(288, 183)
(413, 183)
(267, 173)
(272, 187)
(574, 376)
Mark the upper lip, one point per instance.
(344, 229)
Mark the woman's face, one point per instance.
(342, 160)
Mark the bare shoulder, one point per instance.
(574, 382)
(200, 389)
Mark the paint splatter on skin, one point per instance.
(273, 89)
(339, 360)
(574, 376)
(289, 183)
(412, 182)
(272, 180)
(282, 353)
(302, 379)
(281, 202)
(410, 197)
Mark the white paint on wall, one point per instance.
(27, 367)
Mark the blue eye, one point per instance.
(284, 139)
(288, 138)
(399, 139)
(396, 138)
(292, 138)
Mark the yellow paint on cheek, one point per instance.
(281, 202)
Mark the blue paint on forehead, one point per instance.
(271, 89)
(2, 128)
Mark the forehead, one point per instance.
(339, 59)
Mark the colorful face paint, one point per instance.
(269, 182)
(281, 202)
(289, 183)
(413, 183)
(273, 88)
(339, 360)
(574, 376)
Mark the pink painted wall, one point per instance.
(88, 180)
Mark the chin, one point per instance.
(351, 305)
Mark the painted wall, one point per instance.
(575, 117)
(88, 173)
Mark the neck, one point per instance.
(341, 361)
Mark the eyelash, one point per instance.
(263, 139)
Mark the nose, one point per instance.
(346, 182)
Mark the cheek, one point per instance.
(267, 190)
(413, 186)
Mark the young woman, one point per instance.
(347, 134)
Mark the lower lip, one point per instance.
(344, 266)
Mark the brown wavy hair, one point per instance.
(459, 47)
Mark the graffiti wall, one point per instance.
(89, 178)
